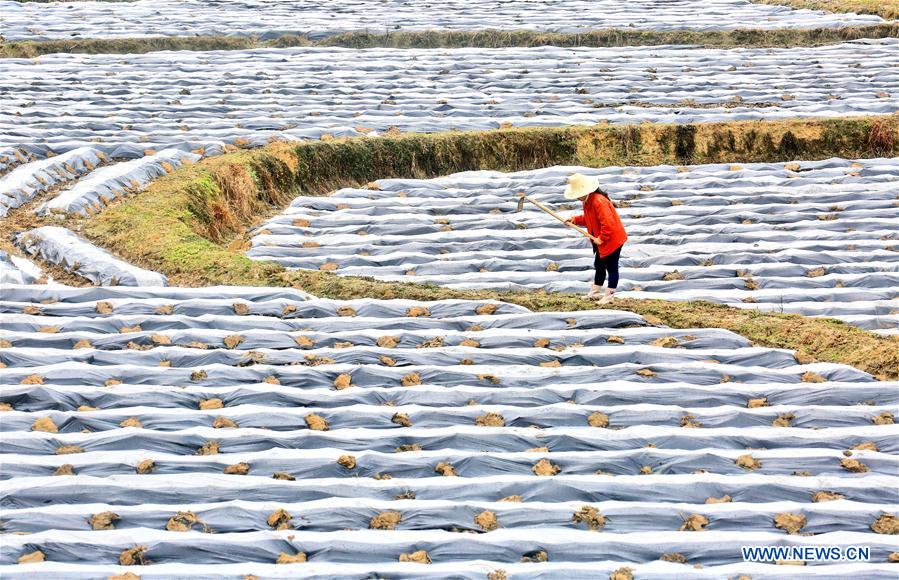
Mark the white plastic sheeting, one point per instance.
(17, 270)
(27, 181)
(320, 18)
(248, 97)
(66, 249)
(93, 193)
(126, 375)
(812, 237)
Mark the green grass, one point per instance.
(749, 38)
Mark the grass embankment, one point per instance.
(887, 9)
(747, 38)
(191, 225)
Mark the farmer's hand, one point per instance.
(568, 222)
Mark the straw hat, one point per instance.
(580, 185)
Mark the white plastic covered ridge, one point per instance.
(249, 97)
(29, 180)
(93, 193)
(66, 249)
(172, 432)
(321, 18)
(17, 270)
(818, 238)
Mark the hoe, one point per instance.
(521, 199)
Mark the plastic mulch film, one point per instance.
(316, 19)
(93, 193)
(27, 181)
(16, 270)
(420, 439)
(280, 93)
(64, 248)
(817, 238)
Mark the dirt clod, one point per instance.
(615, 339)
(748, 462)
(486, 520)
(590, 516)
(44, 424)
(283, 475)
(419, 557)
(722, 499)
(401, 419)
(784, 420)
(104, 521)
(810, 377)
(385, 521)
(346, 311)
(665, 342)
(285, 558)
(598, 419)
(790, 523)
(533, 557)
(545, 468)
(347, 461)
(675, 557)
(224, 423)
(134, 556)
(694, 523)
(884, 418)
(853, 465)
(146, 466)
(316, 422)
(388, 341)
(69, 449)
(31, 558)
(623, 573)
(485, 309)
(237, 469)
(417, 311)
(821, 496)
(209, 448)
(866, 446)
(445, 469)
(65, 469)
(343, 381)
(411, 379)
(279, 520)
(646, 373)
(756, 403)
(131, 422)
(886, 524)
(183, 522)
(490, 420)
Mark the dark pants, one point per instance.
(606, 264)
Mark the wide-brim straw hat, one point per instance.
(580, 185)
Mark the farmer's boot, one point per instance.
(594, 293)
(609, 297)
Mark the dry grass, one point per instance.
(748, 37)
(888, 9)
(191, 224)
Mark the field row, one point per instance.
(816, 238)
(322, 18)
(159, 100)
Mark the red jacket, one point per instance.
(602, 222)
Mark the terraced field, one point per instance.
(321, 18)
(815, 238)
(128, 104)
(164, 426)
(149, 431)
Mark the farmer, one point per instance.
(603, 224)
